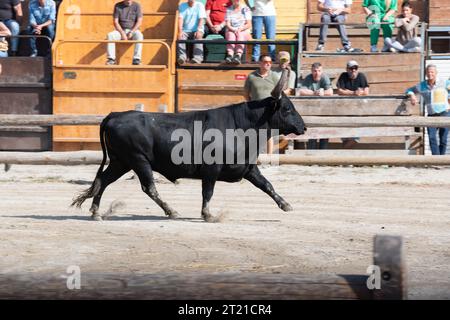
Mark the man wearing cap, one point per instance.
(284, 59)
(352, 83)
(334, 11)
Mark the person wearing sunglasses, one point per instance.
(352, 83)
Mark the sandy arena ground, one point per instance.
(337, 211)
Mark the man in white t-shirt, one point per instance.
(192, 16)
(334, 11)
(263, 14)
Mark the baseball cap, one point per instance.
(352, 63)
(284, 56)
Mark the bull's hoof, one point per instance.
(286, 207)
(172, 215)
(209, 218)
(96, 217)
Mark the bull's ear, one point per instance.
(282, 84)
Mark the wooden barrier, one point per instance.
(310, 121)
(95, 157)
(213, 286)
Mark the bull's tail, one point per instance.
(93, 190)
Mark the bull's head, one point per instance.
(285, 117)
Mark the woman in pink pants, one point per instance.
(239, 23)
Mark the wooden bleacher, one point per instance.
(391, 140)
(358, 36)
(388, 74)
(80, 73)
(197, 89)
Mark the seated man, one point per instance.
(352, 83)
(407, 39)
(215, 16)
(191, 23)
(11, 15)
(127, 20)
(42, 21)
(334, 11)
(316, 84)
(4, 32)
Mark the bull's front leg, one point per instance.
(259, 181)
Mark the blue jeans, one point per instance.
(14, 27)
(441, 147)
(269, 23)
(48, 31)
(317, 144)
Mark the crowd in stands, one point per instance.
(42, 20)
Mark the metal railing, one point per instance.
(59, 44)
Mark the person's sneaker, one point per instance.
(237, 59)
(393, 50)
(194, 60)
(385, 49)
(320, 47)
(136, 62)
(413, 50)
(229, 59)
(33, 54)
(373, 48)
(181, 61)
(110, 62)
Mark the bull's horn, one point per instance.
(282, 84)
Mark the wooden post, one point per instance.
(388, 257)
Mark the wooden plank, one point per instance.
(112, 80)
(364, 60)
(310, 121)
(108, 5)
(405, 160)
(191, 286)
(346, 153)
(337, 106)
(326, 133)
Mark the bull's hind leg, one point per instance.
(113, 172)
(207, 193)
(145, 174)
(259, 181)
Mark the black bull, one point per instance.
(141, 142)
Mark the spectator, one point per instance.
(191, 26)
(263, 14)
(284, 59)
(316, 84)
(352, 83)
(238, 20)
(128, 18)
(4, 32)
(435, 94)
(407, 39)
(385, 10)
(42, 21)
(334, 11)
(260, 83)
(215, 16)
(11, 15)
